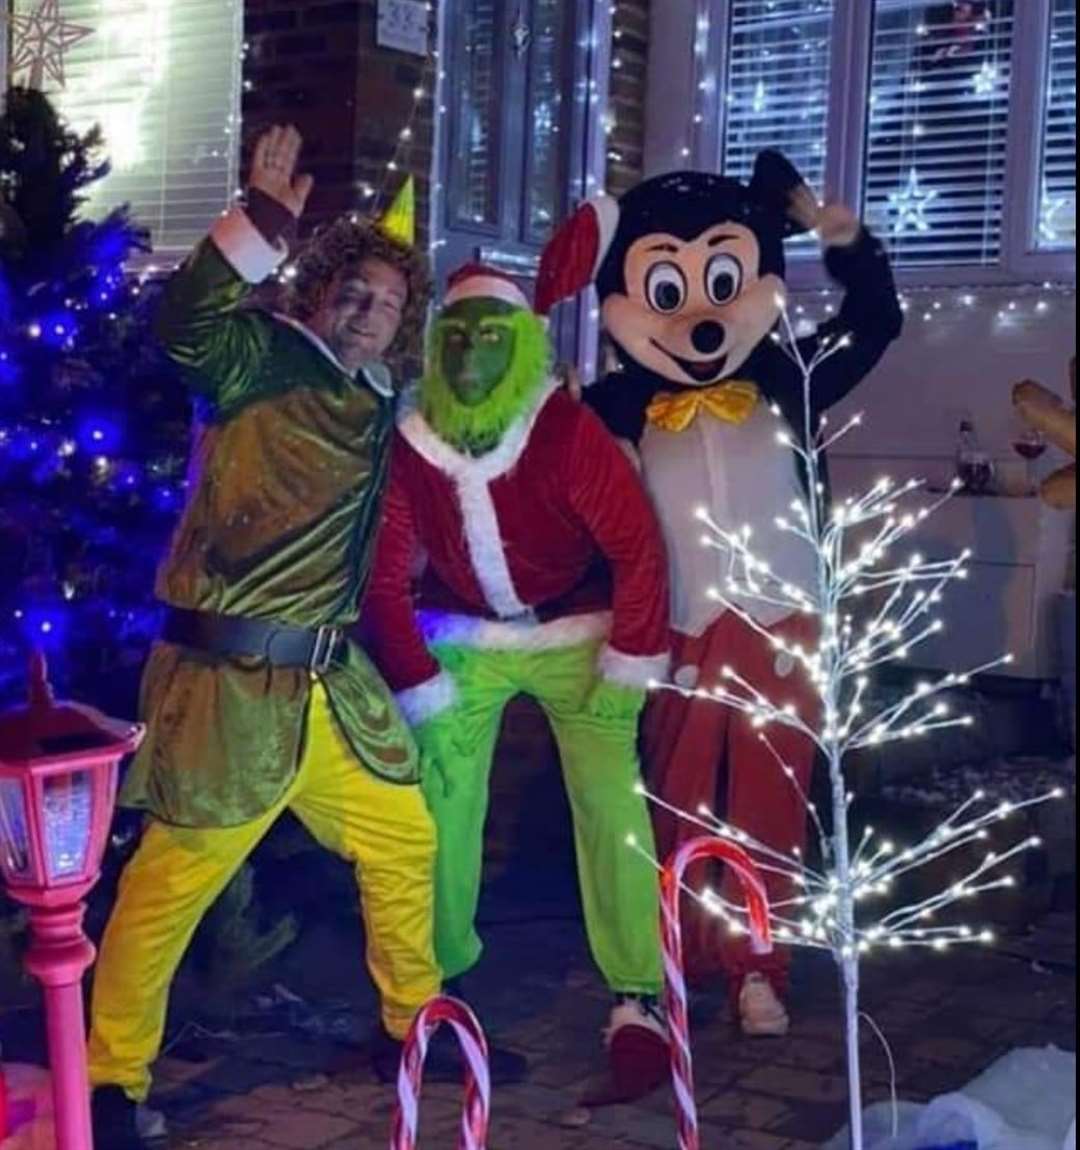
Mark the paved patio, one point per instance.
(947, 1018)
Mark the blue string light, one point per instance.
(92, 428)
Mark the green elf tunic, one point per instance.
(288, 471)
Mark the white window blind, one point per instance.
(1057, 214)
(937, 145)
(778, 85)
(163, 80)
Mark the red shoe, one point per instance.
(639, 1055)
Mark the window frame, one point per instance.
(1022, 261)
(163, 254)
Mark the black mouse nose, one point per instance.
(708, 338)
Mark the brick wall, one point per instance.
(317, 64)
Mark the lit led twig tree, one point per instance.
(872, 611)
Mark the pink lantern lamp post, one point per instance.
(59, 764)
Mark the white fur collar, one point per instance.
(423, 438)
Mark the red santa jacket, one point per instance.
(548, 541)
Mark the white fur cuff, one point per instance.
(639, 671)
(419, 704)
(248, 252)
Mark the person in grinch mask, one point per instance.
(255, 700)
(545, 576)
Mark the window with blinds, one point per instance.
(778, 84)
(937, 143)
(474, 173)
(163, 80)
(1057, 209)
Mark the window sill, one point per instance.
(806, 273)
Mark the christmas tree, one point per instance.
(92, 430)
(93, 447)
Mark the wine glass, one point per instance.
(1031, 445)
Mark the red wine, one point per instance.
(1029, 450)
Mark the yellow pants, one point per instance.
(177, 874)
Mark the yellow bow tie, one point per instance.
(731, 402)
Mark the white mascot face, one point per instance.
(694, 310)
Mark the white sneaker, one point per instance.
(761, 1012)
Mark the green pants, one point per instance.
(620, 889)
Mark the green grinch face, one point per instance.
(487, 364)
(476, 341)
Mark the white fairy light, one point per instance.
(1034, 305)
(874, 610)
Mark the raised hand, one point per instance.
(273, 169)
(836, 224)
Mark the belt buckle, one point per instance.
(326, 645)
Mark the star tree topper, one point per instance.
(42, 38)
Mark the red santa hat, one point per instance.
(475, 281)
(575, 254)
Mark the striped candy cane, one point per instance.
(677, 999)
(476, 1115)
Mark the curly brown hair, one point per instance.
(344, 244)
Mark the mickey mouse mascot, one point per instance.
(690, 272)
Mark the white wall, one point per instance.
(962, 363)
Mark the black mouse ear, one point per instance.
(774, 182)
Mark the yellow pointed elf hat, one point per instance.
(399, 223)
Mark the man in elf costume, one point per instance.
(545, 576)
(256, 702)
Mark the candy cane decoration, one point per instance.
(476, 1115)
(677, 999)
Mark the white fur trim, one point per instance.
(247, 250)
(473, 478)
(487, 287)
(633, 1017)
(491, 635)
(419, 704)
(377, 374)
(633, 670)
(607, 219)
(486, 550)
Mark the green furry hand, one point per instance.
(610, 701)
(439, 745)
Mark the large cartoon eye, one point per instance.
(666, 288)
(723, 279)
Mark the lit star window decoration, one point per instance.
(42, 39)
(987, 79)
(909, 206)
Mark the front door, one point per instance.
(518, 151)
